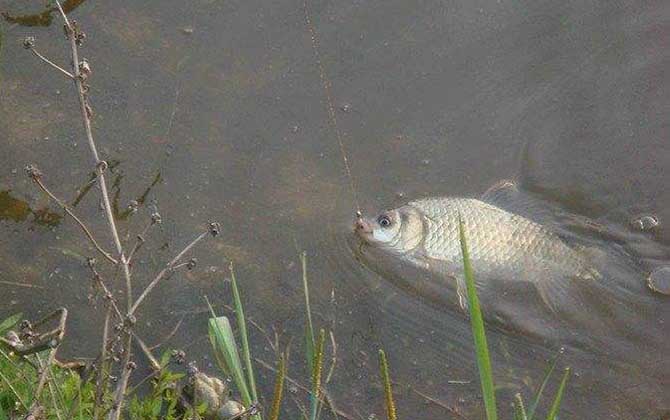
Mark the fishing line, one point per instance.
(325, 82)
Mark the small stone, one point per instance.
(659, 280)
(230, 409)
(645, 223)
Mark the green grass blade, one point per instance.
(545, 380)
(279, 388)
(388, 391)
(9, 385)
(9, 322)
(477, 323)
(242, 326)
(315, 395)
(223, 341)
(519, 409)
(309, 328)
(556, 406)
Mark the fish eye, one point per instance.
(384, 221)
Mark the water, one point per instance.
(221, 101)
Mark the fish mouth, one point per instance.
(363, 228)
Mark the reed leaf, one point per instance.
(309, 328)
(545, 380)
(242, 327)
(556, 406)
(9, 322)
(223, 342)
(477, 324)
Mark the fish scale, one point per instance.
(496, 238)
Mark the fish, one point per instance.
(425, 233)
(527, 275)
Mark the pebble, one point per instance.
(645, 223)
(659, 280)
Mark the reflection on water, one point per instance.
(433, 98)
(43, 18)
(17, 210)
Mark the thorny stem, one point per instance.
(168, 268)
(38, 180)
(51, 63)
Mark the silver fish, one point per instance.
(504, 248)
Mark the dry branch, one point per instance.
(36, 175)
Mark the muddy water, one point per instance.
(213, 110)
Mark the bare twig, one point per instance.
(80, 74)
(55, 342)
(453, 410)
(28, 285)
(108, 294)
(141, 238)
(36, 176)
(170, 267)
(333, 360)
(52, 392)
(75, 37)
(155, 365)
(52, 64)
(169, 336)
(102, 362)
(128, 367)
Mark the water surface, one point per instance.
(221, 102)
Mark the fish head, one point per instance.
(398, 231)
